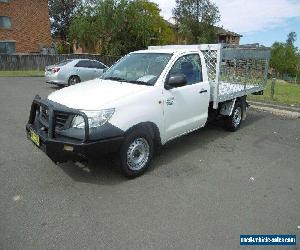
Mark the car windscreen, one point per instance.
(139, 68)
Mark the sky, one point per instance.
(259, 21)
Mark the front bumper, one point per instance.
(62, 148)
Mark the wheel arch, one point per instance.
(73, 75)
(151, 128)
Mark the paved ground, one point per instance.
(203, 191)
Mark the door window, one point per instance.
(83, 64)
(97, 65)
(190, 67)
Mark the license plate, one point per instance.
(35, 138)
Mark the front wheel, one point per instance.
(233, 122)
(136, 153)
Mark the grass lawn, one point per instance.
(286, 93)
(29, 73)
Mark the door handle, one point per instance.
(203, 91)
(170, 101)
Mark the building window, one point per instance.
(7, 47)
(5, 22)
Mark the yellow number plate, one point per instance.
(35, 137)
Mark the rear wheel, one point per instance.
(74, 80)
(136, 153)
(233, 122)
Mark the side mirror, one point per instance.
(175, 81)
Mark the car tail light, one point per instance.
(55, 70)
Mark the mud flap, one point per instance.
(245, 106)
(227, 107)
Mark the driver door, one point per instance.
(186, 107)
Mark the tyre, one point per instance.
(74, 80)
(136, 153)
(232, 123)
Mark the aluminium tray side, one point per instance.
(235, 71)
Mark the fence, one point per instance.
(291, 79)
(39, 61)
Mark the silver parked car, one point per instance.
(73, 71)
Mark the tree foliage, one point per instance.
(291, 39)
(196, 20)
(284, 57)
(116, 27)
(61, 13)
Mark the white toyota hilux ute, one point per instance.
(145, 100)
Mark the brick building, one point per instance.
(228, 37)
(24, 26)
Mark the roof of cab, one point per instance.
(166, 51)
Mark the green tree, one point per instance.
(278, 57)
(284, 57)
(196, 19)
(291, 39)
(61, 13)
(298, 66)
(117, 27)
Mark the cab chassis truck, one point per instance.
(147, 99)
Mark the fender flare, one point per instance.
(151, 128)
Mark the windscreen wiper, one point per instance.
(139, 82)
(119, 79)
(115, 78)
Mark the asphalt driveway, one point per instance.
(204, 190)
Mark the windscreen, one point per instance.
(139, 68)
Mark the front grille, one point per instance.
(61, 119)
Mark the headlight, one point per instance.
(95, 118)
